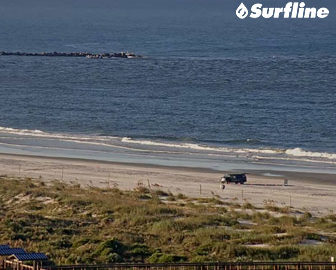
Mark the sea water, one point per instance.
(210, 90)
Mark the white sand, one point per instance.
(317, 197)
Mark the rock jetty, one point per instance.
(74, 54)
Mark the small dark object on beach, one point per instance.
(237, 178)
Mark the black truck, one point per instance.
(237, 178)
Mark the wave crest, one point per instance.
(122, 142)
(299, 152)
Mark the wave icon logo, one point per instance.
(292, 10)
(242, 11)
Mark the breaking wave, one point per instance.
(195, 146)
(20, 131)
(153, 145)
(43, 134)
(295, 152)
(298, 152)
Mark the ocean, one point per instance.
(211, 90)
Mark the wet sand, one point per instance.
(315, 193)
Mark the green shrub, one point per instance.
(110, 251)
(159, 257)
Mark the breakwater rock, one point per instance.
(74, 54)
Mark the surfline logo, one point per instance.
(293, 10)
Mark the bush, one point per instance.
(159, 257)
(248, 205)
(139, 251)
(110, 251)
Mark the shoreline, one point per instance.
(323, 178)
(166, 153)
(315, 193)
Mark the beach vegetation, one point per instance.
(75, 224)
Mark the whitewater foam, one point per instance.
(171, 147)
(295, 152)
(39, 133)
(298, 152)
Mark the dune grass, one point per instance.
(73, 224)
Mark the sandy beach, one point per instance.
(315, 193)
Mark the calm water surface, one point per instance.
(208, 82)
